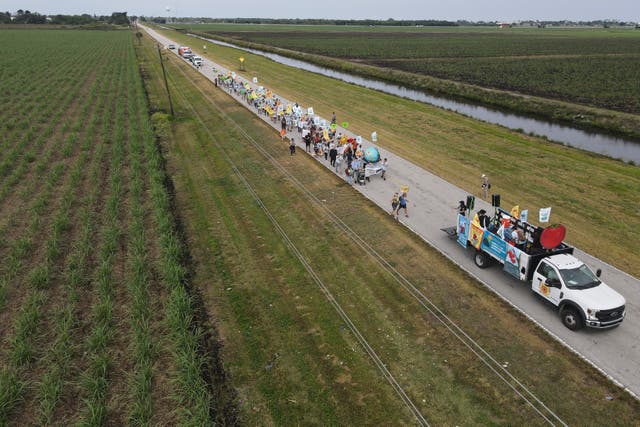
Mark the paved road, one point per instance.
(615, 352)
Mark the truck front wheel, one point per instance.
(482, 260)
(571, 318)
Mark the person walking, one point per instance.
(333, 118)
(384, 169)
(292, 147)
(349, 172)
(402, 204)
(338, 162)
(307, 142)
(333, 153)
(485, 186)
(395, 200)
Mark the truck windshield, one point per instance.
(579, 278)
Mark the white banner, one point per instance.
(545, 213)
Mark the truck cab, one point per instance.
(196, 60)
(581, 297)
(185, 52)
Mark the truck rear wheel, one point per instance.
(482, 260)
(571, 318)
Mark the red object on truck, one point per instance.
(183, 50)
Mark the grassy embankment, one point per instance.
(97, 324)
(595, 197)
(577, 77)
(290, 357)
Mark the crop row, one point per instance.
(95, 379)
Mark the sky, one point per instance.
(472, 10)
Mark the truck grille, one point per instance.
(612, 314)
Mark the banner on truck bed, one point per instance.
(512, 262)
(463, 230)
(475, 235)
(494, 245)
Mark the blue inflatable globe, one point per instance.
(371, 155)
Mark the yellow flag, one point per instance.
(325, 133)
(515, 211)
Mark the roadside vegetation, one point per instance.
(98, 324)
(593, 196)
(272, 236)
(585, 77)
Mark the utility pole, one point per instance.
(164, 74)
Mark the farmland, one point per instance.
(275, 243)
(96, 322)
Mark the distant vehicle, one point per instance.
(196, 60)
(172, 46)
(547, 264)
(185, 52)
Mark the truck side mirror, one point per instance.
(554, 283)
(598, 272)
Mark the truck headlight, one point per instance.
(591, 313)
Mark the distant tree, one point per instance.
(83, 19)
(5, 18)
(119, 18)
(26, 17)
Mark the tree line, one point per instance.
(27, 17)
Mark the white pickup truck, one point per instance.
(196, 60)
(581, 298)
